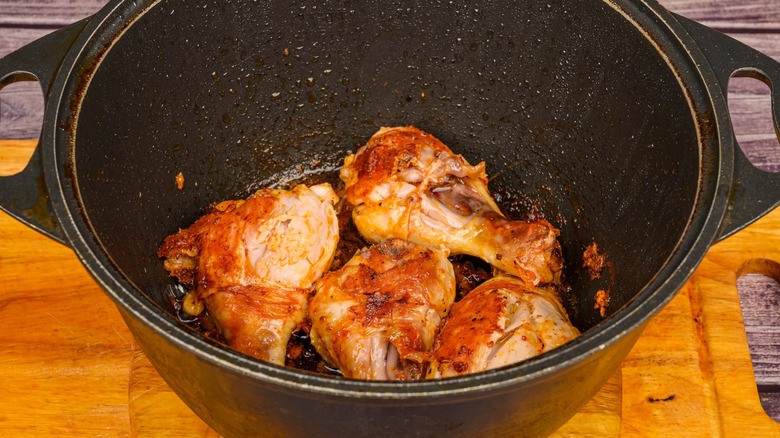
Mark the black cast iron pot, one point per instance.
(608, 118)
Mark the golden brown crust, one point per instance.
(243, 314)
(502, 321)
(388, 152)
(389, 296)
(254, 262)
(405, 183)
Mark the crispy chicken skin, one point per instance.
(405, 183)
(376, 317)
(253, 263)
(501, 322)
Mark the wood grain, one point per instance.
(70, 367)
(45, 13)
(106, 388)
(20, 119)
(21, 104)
(64, 352)
(730, 16)
(155, 411)
(16, 154)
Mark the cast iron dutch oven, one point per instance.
(607, 118)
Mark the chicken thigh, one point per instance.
(501, 322)
(253, 263)
(376, 317)
(405, 183)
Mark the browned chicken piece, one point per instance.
(501, 322)
(376, 317)
(405, 183)
(254, 263)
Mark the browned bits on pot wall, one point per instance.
(602, 300)
(594, 261)
(180, 181)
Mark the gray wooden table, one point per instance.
(754, 22)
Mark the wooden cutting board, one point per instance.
(69, 366)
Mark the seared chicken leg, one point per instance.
(253, 263)
(376, 317)
(501, 322)
(405, 183)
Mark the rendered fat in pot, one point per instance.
(540, 92)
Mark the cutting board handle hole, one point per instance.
(758, 284)
(765, 267)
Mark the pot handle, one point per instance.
(24, 195)
(754, 192)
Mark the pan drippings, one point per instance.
(393, 277)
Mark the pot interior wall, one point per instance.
(578, 117)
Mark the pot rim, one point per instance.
(702, 229)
